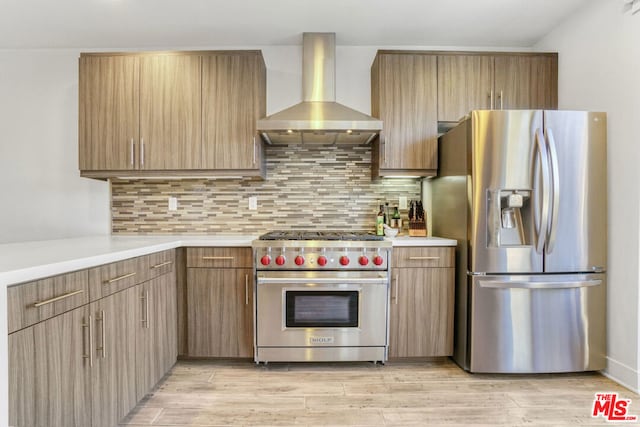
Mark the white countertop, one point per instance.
(23, 262)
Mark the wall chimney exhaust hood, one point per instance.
(319, 119)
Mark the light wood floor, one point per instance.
(436, 392)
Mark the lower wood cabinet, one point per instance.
(219, 315)
(422, 303)
(155, 331)
(88, 367)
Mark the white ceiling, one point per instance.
(201, 23)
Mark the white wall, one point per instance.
(599, 69)
(41, 192)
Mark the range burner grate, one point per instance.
(321, 235)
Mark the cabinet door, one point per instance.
(233, 100)
(464, 84)
(170, 114)
(62, 372)
(108, 116)
(156, 331)
(220, 302)
(113, 386)
(421, 323)
(405, 93)
(526, 82)
(22, 379)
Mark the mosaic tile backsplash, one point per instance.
(310, 187)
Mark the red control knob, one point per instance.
(265, 260)
(378, 260)
(363, 260)
(280, 259)
(322, 260)
(344, 260)
(299, 260)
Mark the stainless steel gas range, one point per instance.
(321, 296)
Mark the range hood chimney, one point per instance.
(319, 118)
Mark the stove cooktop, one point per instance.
(321, 235)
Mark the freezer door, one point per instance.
(576, 239)
(505, 201)
(536, 324)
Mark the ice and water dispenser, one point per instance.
(509, 217)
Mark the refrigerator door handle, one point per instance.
(555, 191)
(543, 159)
(499, 284)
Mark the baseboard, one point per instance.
(624, 375)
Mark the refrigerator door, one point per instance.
(507, 207)
(576, 236)
(540, 323)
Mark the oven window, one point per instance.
(310, 309)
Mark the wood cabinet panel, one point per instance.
(170, 112)
(62, 373)
(220, 257)
(54, 295)
(22, 381)
(404, 97)
(108, 112)
(424, 256)
(233, 100)
(421, 315)
(117, 276)
(220, 302)
(465, 83)
(113, 386)
(526, 82)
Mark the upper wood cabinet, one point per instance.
(404, 97)
(233, 100)
(171, 114)
(481, 81)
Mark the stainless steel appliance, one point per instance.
(321, 296)
(524, 193)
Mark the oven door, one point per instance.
(321, 309)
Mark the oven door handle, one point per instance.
(323, 280)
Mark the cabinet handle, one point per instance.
(246, 289)
(491, 99)
(418, 258)
(90, 356)
(384, 153)
(208, 258)
(58, 298)
(254, 150)
(500, 97)
(116, 279)
(146, 299)
(143, 320)
(396, 293)
(103, 340)
(132, 153)
(162, 264)
(141, 151)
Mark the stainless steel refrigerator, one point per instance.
(524, 193)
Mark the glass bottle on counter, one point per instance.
(396, 221)
(380, 222)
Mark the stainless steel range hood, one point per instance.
(319, 119)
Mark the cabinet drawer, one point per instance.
(219, 257)
(110, 278)
(424, 257)
(34, 302)
(158, 264)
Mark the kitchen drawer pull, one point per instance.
(396, 297)
(141, 151)
(162, 264)
(103, 340)
(209, 258)
(90, 356)
(116, 279)
(254, 150)
(58, 298)
(419, 258)
(132, 153)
